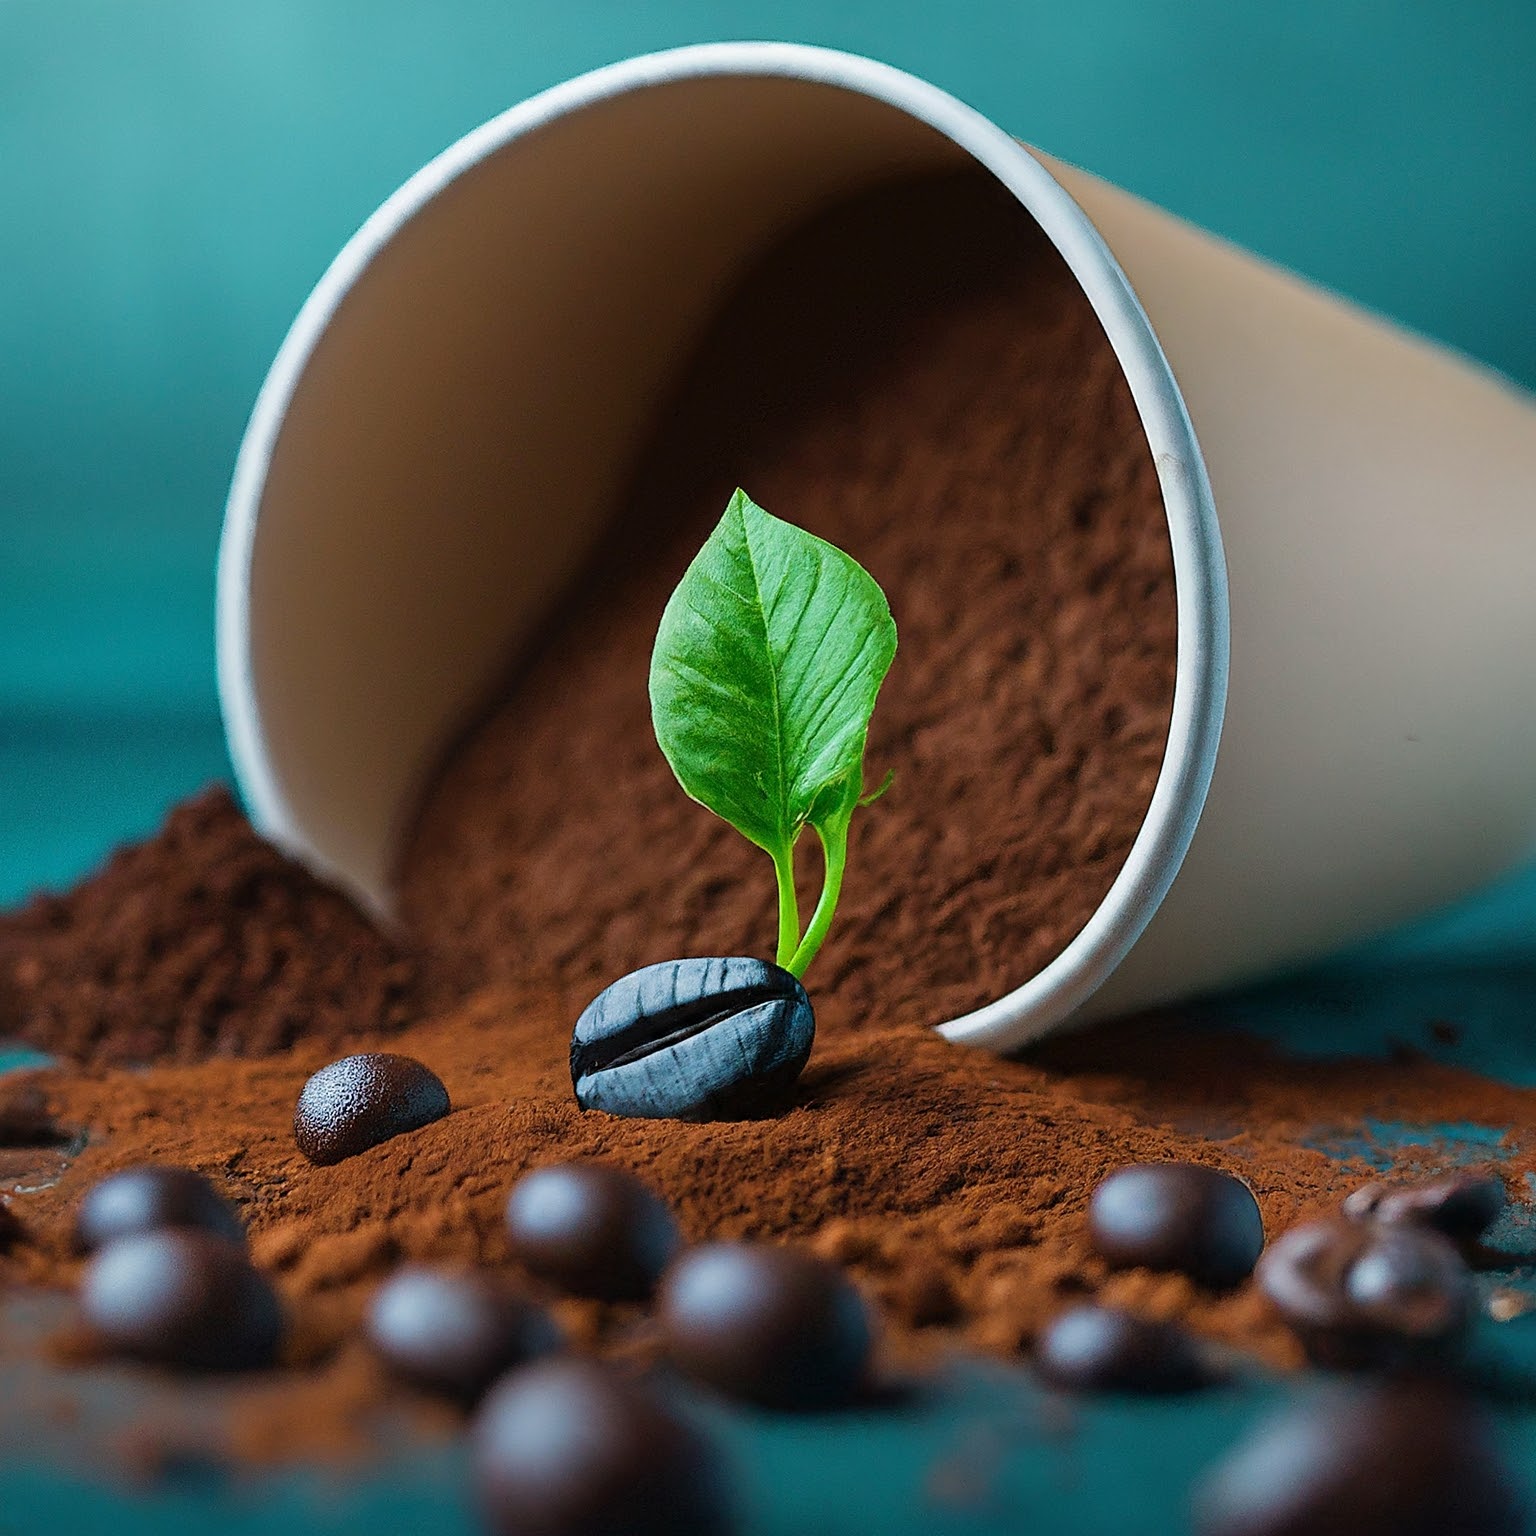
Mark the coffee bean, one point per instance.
(1178, 1216)
(10, 1226)
(693, 1040)
(772, 1325)
(1103, 1349)
(1361, 1294)
(1462, 1206)
(149, 1198)
(181, 1297)
(570, 1447)
(592, 1230)
(1405, 1459)
(360, 1101)
(455, 1333)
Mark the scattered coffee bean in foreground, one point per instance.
(571, 1447)
(772, 1325)
(592, 1230)
(150, 1198)
(455, 1333)
(1393, 1459)
(1460, 1206)
(693, 1040)
(182, 1298)
(1105, 1349)
(1361, 1294)
(1178, 1216)
(360, 1101)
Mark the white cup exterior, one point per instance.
(447, 427)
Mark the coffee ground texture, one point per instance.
(916, 377)
(202, 940)
(953, 1184)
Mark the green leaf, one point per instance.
(767, 665)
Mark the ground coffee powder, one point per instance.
(202, 940)
(917, 377)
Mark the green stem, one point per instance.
(834, 846)
(789, 904)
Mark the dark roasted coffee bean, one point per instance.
(772, 1325)
(1178, 1216)
(455, 1333)
(592, 1230)
(1462, 1206)
(10, 1226)
(150, 1198)
(1362, 1294)
(1399, 1459)
(570, 1447)
(1103, 1349)
(692, 1040)
(360, 1101)
(181, 1297)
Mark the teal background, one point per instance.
(175, 175)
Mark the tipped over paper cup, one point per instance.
(432, 458)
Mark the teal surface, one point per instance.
(174, 176)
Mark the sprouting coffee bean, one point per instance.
(184, 1298)
(771, 1325)
(360, 1101)
(149, 1198)
(1178, 1216)
(1361, 1294)
(692, 1040)
(1398, 1459)
(455, 1333)
(569, 1447)
(1105, 1349)
(591, 1229)
(1461, 1206)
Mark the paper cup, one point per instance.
(447, 427)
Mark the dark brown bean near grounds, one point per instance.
(917, 378)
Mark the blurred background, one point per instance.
(175, 176)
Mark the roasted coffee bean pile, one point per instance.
(565, 1443)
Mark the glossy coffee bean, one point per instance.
(569, 1447)
(184, 1298)
(1460, 1206)
(771, 1325)
(1103, 1349)
(1360, 1294)
(360, 1101)
(1399, 1459)
(1178, 1216)
(150, 1198)
(591, 1229)
(692, 1040)
(454, 1333)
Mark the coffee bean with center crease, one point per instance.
(570, 1447)
(1104, 1349)
(592, 1230)
(772, 1325)
(357, 1102)
(184, 1298)
(454, 1333)
(1398, 1459)
(1461, 1206)
(1360, 1294)
(150, 1198)
(693, 1040)
(1178, 1216)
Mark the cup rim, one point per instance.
(1201, 669)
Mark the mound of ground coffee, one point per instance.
(916, 377)
(202, 940)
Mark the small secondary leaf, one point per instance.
(767, 664)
